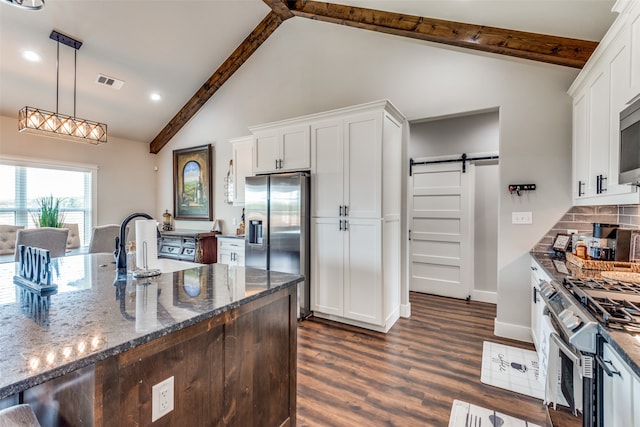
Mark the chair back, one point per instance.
(52, 239)
(103, 238)
(8, 238)
(73, 240)
(19, 415)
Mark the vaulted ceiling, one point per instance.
(186, 50)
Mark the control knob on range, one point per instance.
(547, 290)
(569, 319)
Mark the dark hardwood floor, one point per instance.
(409, 377)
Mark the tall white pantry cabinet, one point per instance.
(356, 163)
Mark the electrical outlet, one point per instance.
(234, 222)
(162, 399)
(572, 231)
(521, 218)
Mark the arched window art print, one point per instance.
(192, 183)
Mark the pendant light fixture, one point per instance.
(27, 4)
(47, 123)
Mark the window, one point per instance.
(24, 182)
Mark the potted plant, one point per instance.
(50, 214)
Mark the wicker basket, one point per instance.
(594, 264)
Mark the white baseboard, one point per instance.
(485, 296)
(508, 330)
(405, 310)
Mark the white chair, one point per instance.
(52, 239)
(103, 238)
(18, 415)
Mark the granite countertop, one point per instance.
(627, 344)
(230, 236)
(95, 314)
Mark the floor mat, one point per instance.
(511, 368)
(464, 414)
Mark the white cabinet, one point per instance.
(355, 207)
(599, 93)
(538, 276)
(242, 155)
(620, 391)
(347, 167)
(281, 149)
(231, 251)
(633, 37)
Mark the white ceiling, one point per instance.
(173, 46)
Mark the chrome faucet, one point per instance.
(120, 253)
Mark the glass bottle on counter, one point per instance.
(131, 257)
(581, 250)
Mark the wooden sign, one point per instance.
(34, 268)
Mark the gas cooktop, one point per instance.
(615, 304)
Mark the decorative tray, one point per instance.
(595, 264)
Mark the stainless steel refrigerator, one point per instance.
(277, 210)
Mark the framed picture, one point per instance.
(192, 183)
(561, 242)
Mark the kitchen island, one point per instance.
(90, 353)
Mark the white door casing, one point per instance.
(441, 224)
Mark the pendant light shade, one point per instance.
(27, 4)
(47, 123)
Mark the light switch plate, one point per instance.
(521, 218)
(162, 399)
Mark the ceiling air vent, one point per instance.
(109, 81)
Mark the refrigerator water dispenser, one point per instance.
(255, 232)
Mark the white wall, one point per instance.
(308, 66)
(126, 179)
(476, 133)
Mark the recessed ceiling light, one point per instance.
(31, 56)
(155, 97)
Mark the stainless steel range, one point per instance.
(577, 308)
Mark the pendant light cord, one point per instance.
(75, 72)
(57, 75)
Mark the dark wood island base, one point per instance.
(235, 369)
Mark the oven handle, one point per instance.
(565, 348)
(605, 368)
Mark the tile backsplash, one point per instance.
(581, 218)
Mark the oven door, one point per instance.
(568, 376)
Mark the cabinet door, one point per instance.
(580, 146)
(363, 271)
(634, 45)
(242, 166)
(266, 152)
(363, 165)
(598, 112)
(295, 148)
(619, 92)
(327, 168)
(617, 391)
(327, 266)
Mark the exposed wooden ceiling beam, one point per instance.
(217, 79)
(538, 47)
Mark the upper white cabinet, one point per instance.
(600, 92)
(633, 37)
(281, 148)
(242, 156)
(347, 167)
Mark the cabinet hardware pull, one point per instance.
(280, 163)
(340, 210)
(603, 364)
(535, 295)
(345, 225)
(276, 163)
(580, 192)
(409, 234)
(602, 180)
(346, 210)
(340, 225)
